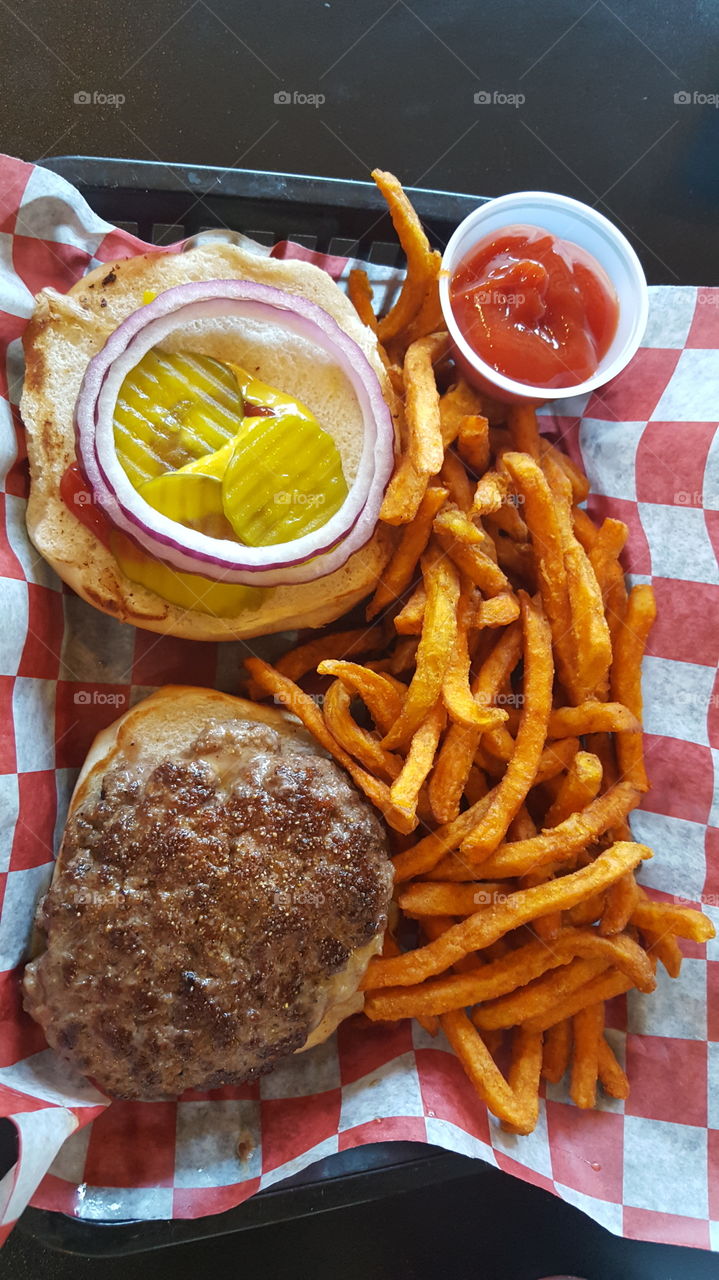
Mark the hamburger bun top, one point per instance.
(66, 331)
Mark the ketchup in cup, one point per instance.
(538, 309)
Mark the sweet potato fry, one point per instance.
(515, 1106)
(458, 402)
(404, 791)
(424, 434)
(626, 678)
(664, 947)
(524, 430)
(460, 539)
(359, 291)
(667, 917)
(621, 901)
(490, 923)
(577, 479)
(585, 530)
(460, 744)
(588, 1034)
(540, 515)
(602, 987)
(456, 481)
(578, 789)
(522, 768)
(422, 263)
(473, 442)
(435, 649)
(562, 842)
(306, 710)
(525, 1069)
(382, 695)
(497, 612)
(556, 1050)
(592, 717)
(358, 741)
(538, 998)
(490, 493)
(606, 550)
(405, 560)
(590, 632)
(297, 662)
(404, 493)
(462, 706)
(409, 620)
(611, 1075)
(509, 973)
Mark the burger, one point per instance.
(219, 891)
(210, 438)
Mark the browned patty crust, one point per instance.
(201, 910)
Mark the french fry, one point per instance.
(576, 477)
(357, 741)
(525, 1069)
(306, 710)
(588, 1035)
(390, 947)
(405, 560)
(489, 923)
(515, 1106)
(509, 973)
(497, 612)
(626, 679)
(435, 648)
(556, 1050)
(473, 442)
(611, 1075)
(605, 986)
(381, 694)
(422, 263)
(404, 792)
(359, 291)
(585, 530)
(522, 768)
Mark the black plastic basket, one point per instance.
(163, 203)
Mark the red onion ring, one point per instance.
(303, 560)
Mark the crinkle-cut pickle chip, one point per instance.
(192, 498)
(284, 479)
(186, 590)
(173, 408)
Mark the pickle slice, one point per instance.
(173, 408)
(192, 498)
(284, 479)
(255, 392)
(186, 590)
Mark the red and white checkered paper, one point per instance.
(643, 1168)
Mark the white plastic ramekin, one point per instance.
(570, 220)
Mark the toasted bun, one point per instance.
(67, 330)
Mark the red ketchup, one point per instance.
(537, 309)
(79, 498)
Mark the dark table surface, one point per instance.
(615, 104)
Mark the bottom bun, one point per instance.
(220, 889)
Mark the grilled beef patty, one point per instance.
(206, 912)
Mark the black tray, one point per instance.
(162, 203)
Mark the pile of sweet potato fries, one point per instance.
(495, 722)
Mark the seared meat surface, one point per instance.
(203, 911)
